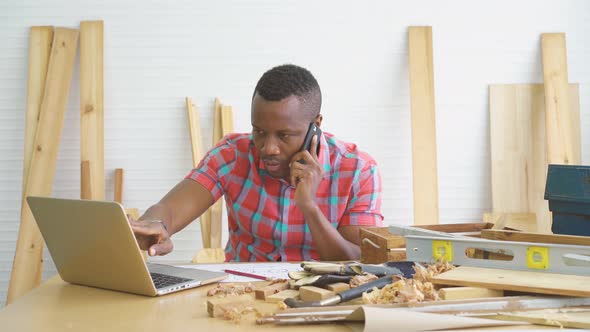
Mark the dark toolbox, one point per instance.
(568, 193)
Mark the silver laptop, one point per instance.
(92, 244)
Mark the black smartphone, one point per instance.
(312, 131)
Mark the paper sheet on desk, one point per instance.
(270, 270)
(384, 319)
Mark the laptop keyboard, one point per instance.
(163, 280)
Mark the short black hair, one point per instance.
(283, 81)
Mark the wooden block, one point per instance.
(27, 266)
(459, 293)
(535, 237)
(312, 293)
(92, 103)
(119, 185)
(86, 182)
(520, 281)
(264, 292)
(338, 287)
(563, 143)
(519, 162)
(194, 124)
(424, 160)
(282, 295)
(216, 306)
(40, 41)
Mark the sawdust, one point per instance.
(418, 289)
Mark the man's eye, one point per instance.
(284, 136)
(258, 132)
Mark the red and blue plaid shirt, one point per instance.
(264, 222)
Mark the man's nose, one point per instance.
(270, 147)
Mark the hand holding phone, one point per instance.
(312, 131)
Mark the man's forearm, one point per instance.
(331, 245)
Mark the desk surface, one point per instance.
(59, 306)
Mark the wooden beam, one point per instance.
(562, 148)
(535, 237)
(28, 258)
(217, 134)
(40, 41)
(86, 183)
(196, 136)
(92, 103)
(424, 160)
(227, 120)
(119, 180)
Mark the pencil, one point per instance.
(245, 274)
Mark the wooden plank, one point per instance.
(119, 178)
(563, 318)
(535, 237)
(227, 120)
(424, 160)
(196, 137)
(519, 162)
(86, 182)
(217, 133)
(27, 266)
(458, 293)
(562, 146)
(92, 103)
(227, 127)
(457, 228)
(40, 41)
(526, 222)
(520, 281)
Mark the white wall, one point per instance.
(158, 52)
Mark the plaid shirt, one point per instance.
(264, 222)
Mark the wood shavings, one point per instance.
(231, 289)
(235, 314)
(418, 289)
(427, 273)
(362, 279)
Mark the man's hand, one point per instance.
(306, 176)
(152, 236)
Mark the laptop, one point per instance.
(92, 244)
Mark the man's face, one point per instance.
(278, 131)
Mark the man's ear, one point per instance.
(318, 120)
